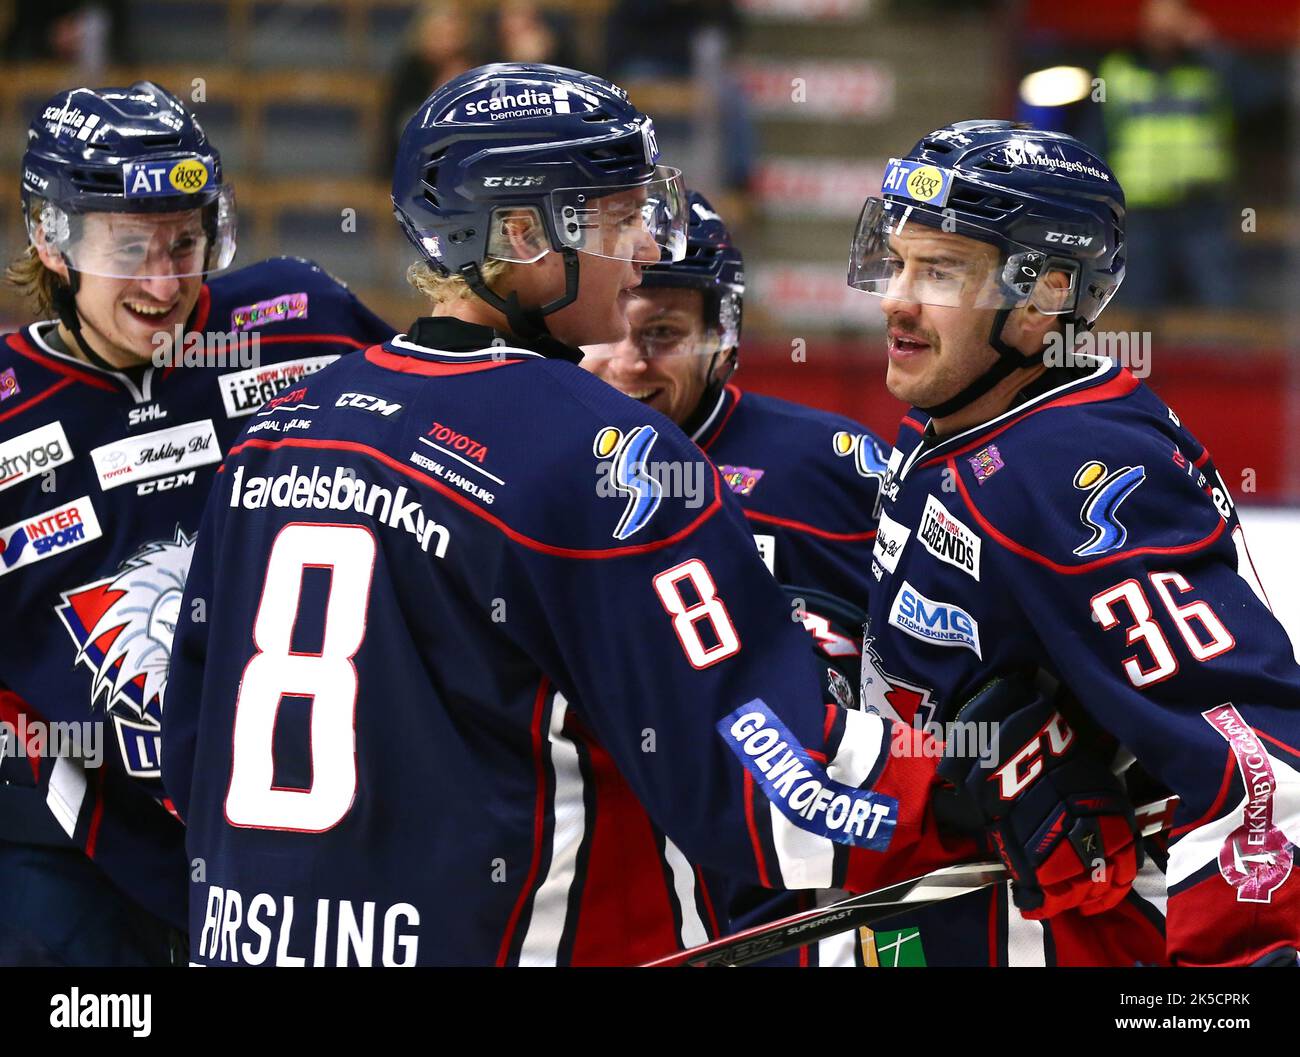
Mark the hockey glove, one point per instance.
(1055, 814)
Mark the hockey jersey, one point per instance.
(480, 680)
(808, 482)
(1086, 532)
(103, 478)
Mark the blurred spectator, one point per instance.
(660, 40)
(88, 35)
(1167, 126)
(652, 38)
(522, 33)
(442, 46)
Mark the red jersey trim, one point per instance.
(462, 501)
(1071, 570)
(390, 361)
(799, 526)
(539, 822)
(20, 345)
(1229, 769)
(1121, 385)
(717, 431)
(36, 399)
(202, 308)
(316, 339)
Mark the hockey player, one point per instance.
(1051, 515)
(476, 685)
(113, 417)
(808, 481)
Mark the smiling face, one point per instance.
(935, 351)
(138, 276)
(658, 362)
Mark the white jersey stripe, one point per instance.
(550, 907)
(693, 931)
(1025, 944)
(807, 860)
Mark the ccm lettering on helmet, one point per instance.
(1066, 239)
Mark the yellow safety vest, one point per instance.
(1170, 132)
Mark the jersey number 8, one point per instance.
(327, 678)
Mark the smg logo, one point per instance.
(1014, 776)
(624, 462)
(941, 623)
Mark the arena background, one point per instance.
(784, 112)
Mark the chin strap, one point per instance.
(529, 324)
(712, 387)
(65, 303)
(1009, 361)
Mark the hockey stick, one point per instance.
(798, 930)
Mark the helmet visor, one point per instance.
(905, 252)
(142, 245)
(660, 340)
(643, 222)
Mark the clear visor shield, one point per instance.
(657, 341)
(643, 222)
(142, 245)
(920, 255)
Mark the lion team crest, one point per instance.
(122, 627)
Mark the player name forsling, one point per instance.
(340, 489)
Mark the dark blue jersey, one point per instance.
(1086, 532)
(103, 477)
(486, 668)
(809, 483)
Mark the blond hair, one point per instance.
(26, 271)
(443, 289)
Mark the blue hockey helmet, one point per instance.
(124, 151)
(1045, 202)
(512, 161)
(712, 265)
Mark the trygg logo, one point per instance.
(33, 453)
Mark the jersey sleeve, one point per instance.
(1138, 586)
(694, 673)
(189, 658)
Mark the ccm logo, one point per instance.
(1015, 775)
(165, 484)
(513, 181)
(1069, 240)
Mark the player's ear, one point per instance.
(518, 235)
(1027, 328)
(50, 257)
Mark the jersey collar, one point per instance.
(1103, 379)
(716, 419)
(66, 364)
(445, 339)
